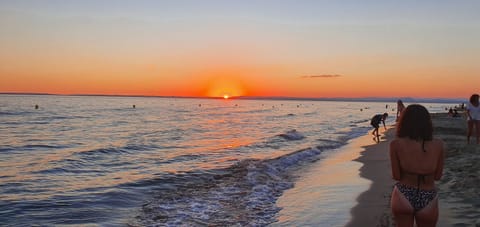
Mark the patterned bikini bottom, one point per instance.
(418, 198)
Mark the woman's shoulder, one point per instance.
(471, 106)
(397, 142)
(438, 143)
(405, 142)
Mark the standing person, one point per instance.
(400, 108)
(473, 117)
(375, 122)
(417, 162)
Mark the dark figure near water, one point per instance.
(450, 112)
(375, 122)
(36, 107)
(133, 106)
(455, 113)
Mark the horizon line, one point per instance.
(365, 98)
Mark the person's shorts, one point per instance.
(375, 125)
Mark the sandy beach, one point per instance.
(458, 189)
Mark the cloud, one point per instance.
(322, 76)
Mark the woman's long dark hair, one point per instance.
(415, 123)
(474, 99)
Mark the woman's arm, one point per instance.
(440, 162)
(395, 163)
(468, 114)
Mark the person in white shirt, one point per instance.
(473, 117)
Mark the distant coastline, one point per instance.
(341, 99)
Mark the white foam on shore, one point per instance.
(325, 191)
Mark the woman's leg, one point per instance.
(470, 129)
(477, 130)
(402, 210)
(428, 216)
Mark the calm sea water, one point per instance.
(167, 162)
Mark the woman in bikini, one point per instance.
(417, 162)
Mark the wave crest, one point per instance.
(292, 135)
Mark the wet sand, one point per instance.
(459, 188)
(373, 208)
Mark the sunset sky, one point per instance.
(293, 48)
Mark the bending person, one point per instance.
(375, 122)
(417, 162)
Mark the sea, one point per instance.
(156, 161)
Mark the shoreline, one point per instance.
(373, 205)
(321, 198)
(458, 189)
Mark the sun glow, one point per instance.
(225, 87)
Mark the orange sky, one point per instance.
(273, 49)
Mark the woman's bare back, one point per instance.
(414, 161)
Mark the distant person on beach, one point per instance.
(400, 109)
(473, 117)
(450, 112)
(375, 122)
(455, 113)
(417, 162)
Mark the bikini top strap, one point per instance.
(420, 177)
(419, 174)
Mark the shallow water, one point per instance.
(99, 161)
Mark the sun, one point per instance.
(224, 87)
